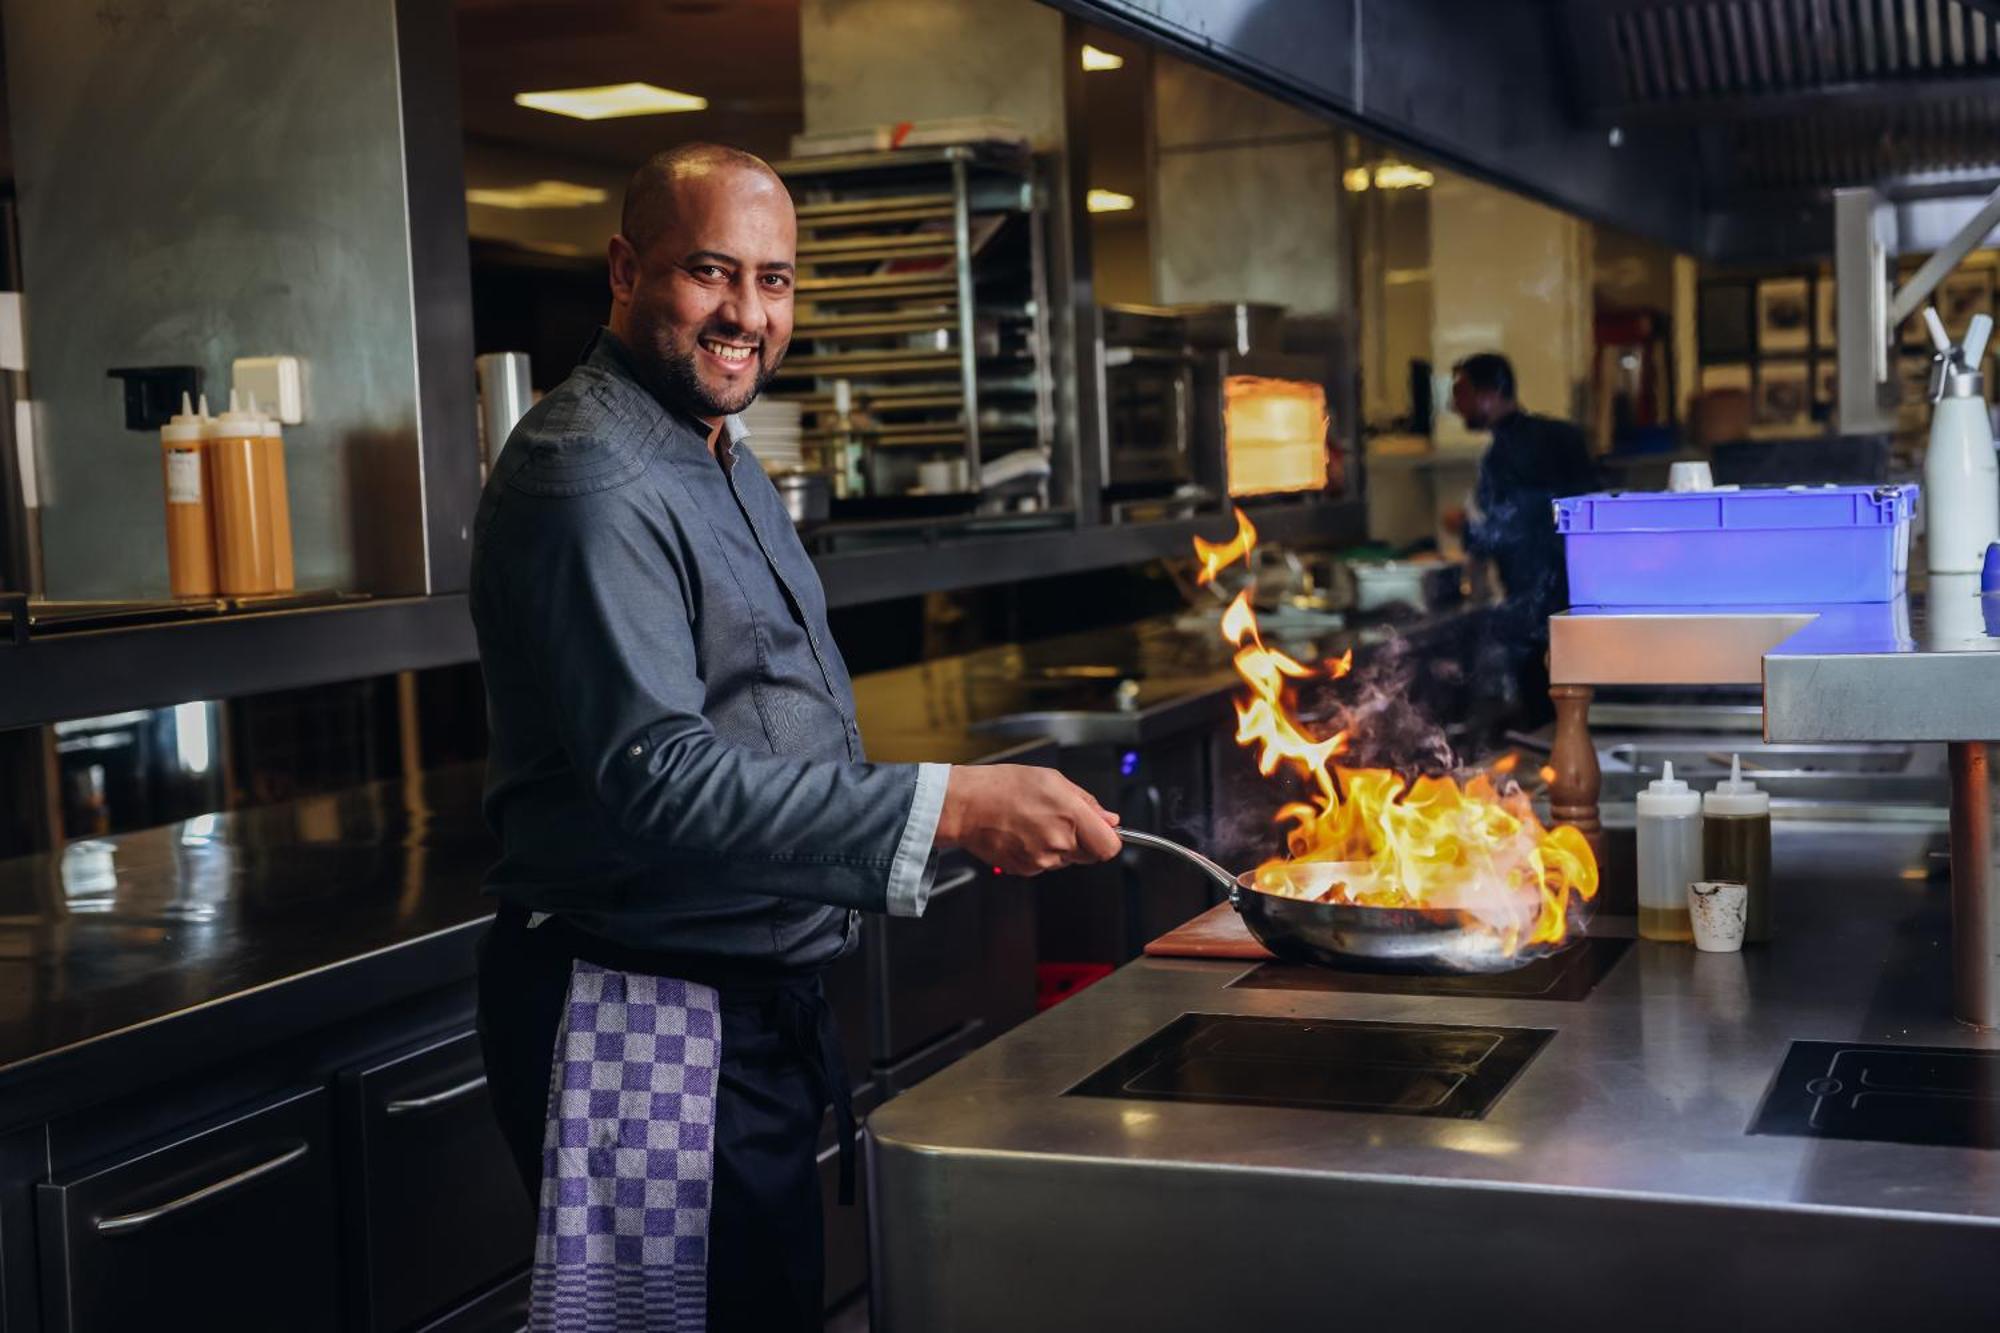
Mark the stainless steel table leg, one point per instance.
(1975, 870)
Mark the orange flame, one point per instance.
(1217, 556)
(1427, 842)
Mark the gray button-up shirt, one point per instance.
(674, 764)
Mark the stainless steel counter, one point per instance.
(1939, 680)
(1867, 671)
(1614, 1182)
(1846, 672)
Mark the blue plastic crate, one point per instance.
(1737, 547)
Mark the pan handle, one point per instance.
(1159, 844)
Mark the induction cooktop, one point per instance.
(1424, 1069)
(1569, 975)
(1937, 1095)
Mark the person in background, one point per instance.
(688, 826)
(1532, 460)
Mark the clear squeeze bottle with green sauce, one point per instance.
(1736, 844)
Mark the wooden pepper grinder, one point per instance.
(1576, 781)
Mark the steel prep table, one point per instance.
(1854, 672)
(1613, 1183)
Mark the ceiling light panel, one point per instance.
(542, 194)
(1108, 201)
(1096, 60)
(611, 101)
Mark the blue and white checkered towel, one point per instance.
(629, 1157)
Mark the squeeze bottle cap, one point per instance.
(272, 430)
(1736, 794)
(236, 424)
(184, 426)
(1668, 795)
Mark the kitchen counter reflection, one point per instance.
(115, 933)
(373, 894)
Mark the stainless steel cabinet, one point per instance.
(436, 1209)
(1107, 913)
(966, 967)
(231, 1227)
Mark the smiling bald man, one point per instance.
(688, 826)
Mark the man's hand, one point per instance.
(1024, 820)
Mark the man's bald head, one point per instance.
(652, 193)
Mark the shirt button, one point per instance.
(638, 748)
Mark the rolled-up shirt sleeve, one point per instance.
(597, 600)
(915, 867)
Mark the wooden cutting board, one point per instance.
(1217, 933)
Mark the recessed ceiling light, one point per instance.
(1402, 176)
(616, 99)
(1355, 179)
(1095, 60)
(542, 194)
(1108, 201)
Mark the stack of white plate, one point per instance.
(776, 433)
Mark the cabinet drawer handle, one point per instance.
(953, 883)
(451, 1094)
(116, 1226)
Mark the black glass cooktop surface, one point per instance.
(1428, 1069)
(1568, 975)
(1936, 1095)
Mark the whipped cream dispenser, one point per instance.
(1961, 481)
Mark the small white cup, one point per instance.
(1716, 910)
(1690, 476)
(942, 476)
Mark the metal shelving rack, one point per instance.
(922, 282)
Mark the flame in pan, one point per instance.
(1396, 840)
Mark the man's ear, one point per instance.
(624, 263)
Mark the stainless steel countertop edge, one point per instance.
(891, 1144)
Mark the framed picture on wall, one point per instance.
(1826, 333)
(1783, 318)
(1784, 394)
(1736, 375)
(1727, 321)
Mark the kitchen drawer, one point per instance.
(504, 1309)
(968, 958)
(436, 1209)
(231, 1227)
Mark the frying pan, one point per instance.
(1408, 940)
